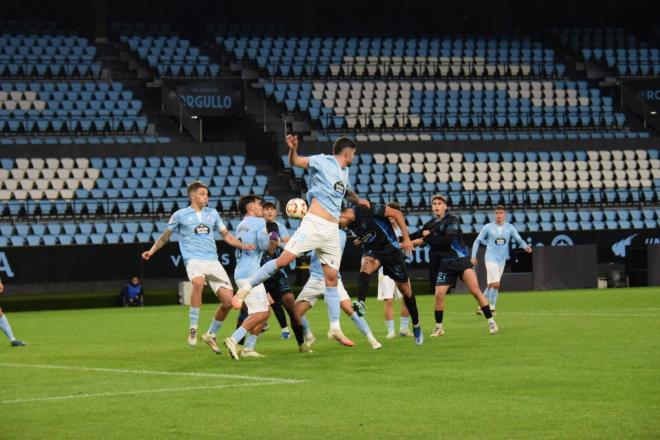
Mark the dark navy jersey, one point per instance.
(282, 232)
(372, 228)
(446, 238)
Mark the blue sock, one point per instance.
(331, 299)
(493, 296)
(487, 293)
(404, 322)
(250, 342)
(361, 324)
(215, 326)
(193, 316)
(264, 272)
(390, 326)
(305, 324)
(6, 328)
(239, 334)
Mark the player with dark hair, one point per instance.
(388, 292)
(195, 225)
(497, 238)
(251, 230)
(278, 285)
(319, 229)
(445, 237)
(380, 247)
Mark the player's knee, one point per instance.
(495, 285)
(198, 283)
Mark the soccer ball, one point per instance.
(296, 208)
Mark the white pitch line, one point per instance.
(131, 393)
(153, 373)
(587, 315)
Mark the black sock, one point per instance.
(363, 286)
(296, 327)
(279, 314)
(487, 313)
(438, 316)
(411, 304)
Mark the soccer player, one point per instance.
(319, 230)
(195, 225)
(6, 328)
(315, 288)
(278, 285)
(497, 237)
(251, 230)
(387, 292)
(380, 247)
(446, 240)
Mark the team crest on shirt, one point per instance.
(500, 241)
(202, 229)
(340, 187)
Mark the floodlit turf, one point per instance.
(570, 364)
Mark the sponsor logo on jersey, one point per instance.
(202, 229)
(500, 241)
(340, 187)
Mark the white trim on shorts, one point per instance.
(314, 289)
(319, 235)
(214, 274)
(494, 271)
(257, 300)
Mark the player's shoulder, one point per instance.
(181, 212)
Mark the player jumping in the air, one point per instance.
(315, 288)
(497, 237)
(319, 230)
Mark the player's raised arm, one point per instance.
(294, 159)
(162, 241)
(397, 215)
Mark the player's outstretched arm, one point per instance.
(294, 159)
(235, 242)
(162, 241)
(2, 288)
(522, 243)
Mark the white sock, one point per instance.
(390, 325)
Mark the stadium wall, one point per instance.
(89, 263)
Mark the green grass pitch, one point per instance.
(571, 364)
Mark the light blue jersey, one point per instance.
(252, 230)
(315, 268)
(329, 182)
(497, 239)
(195, 230)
